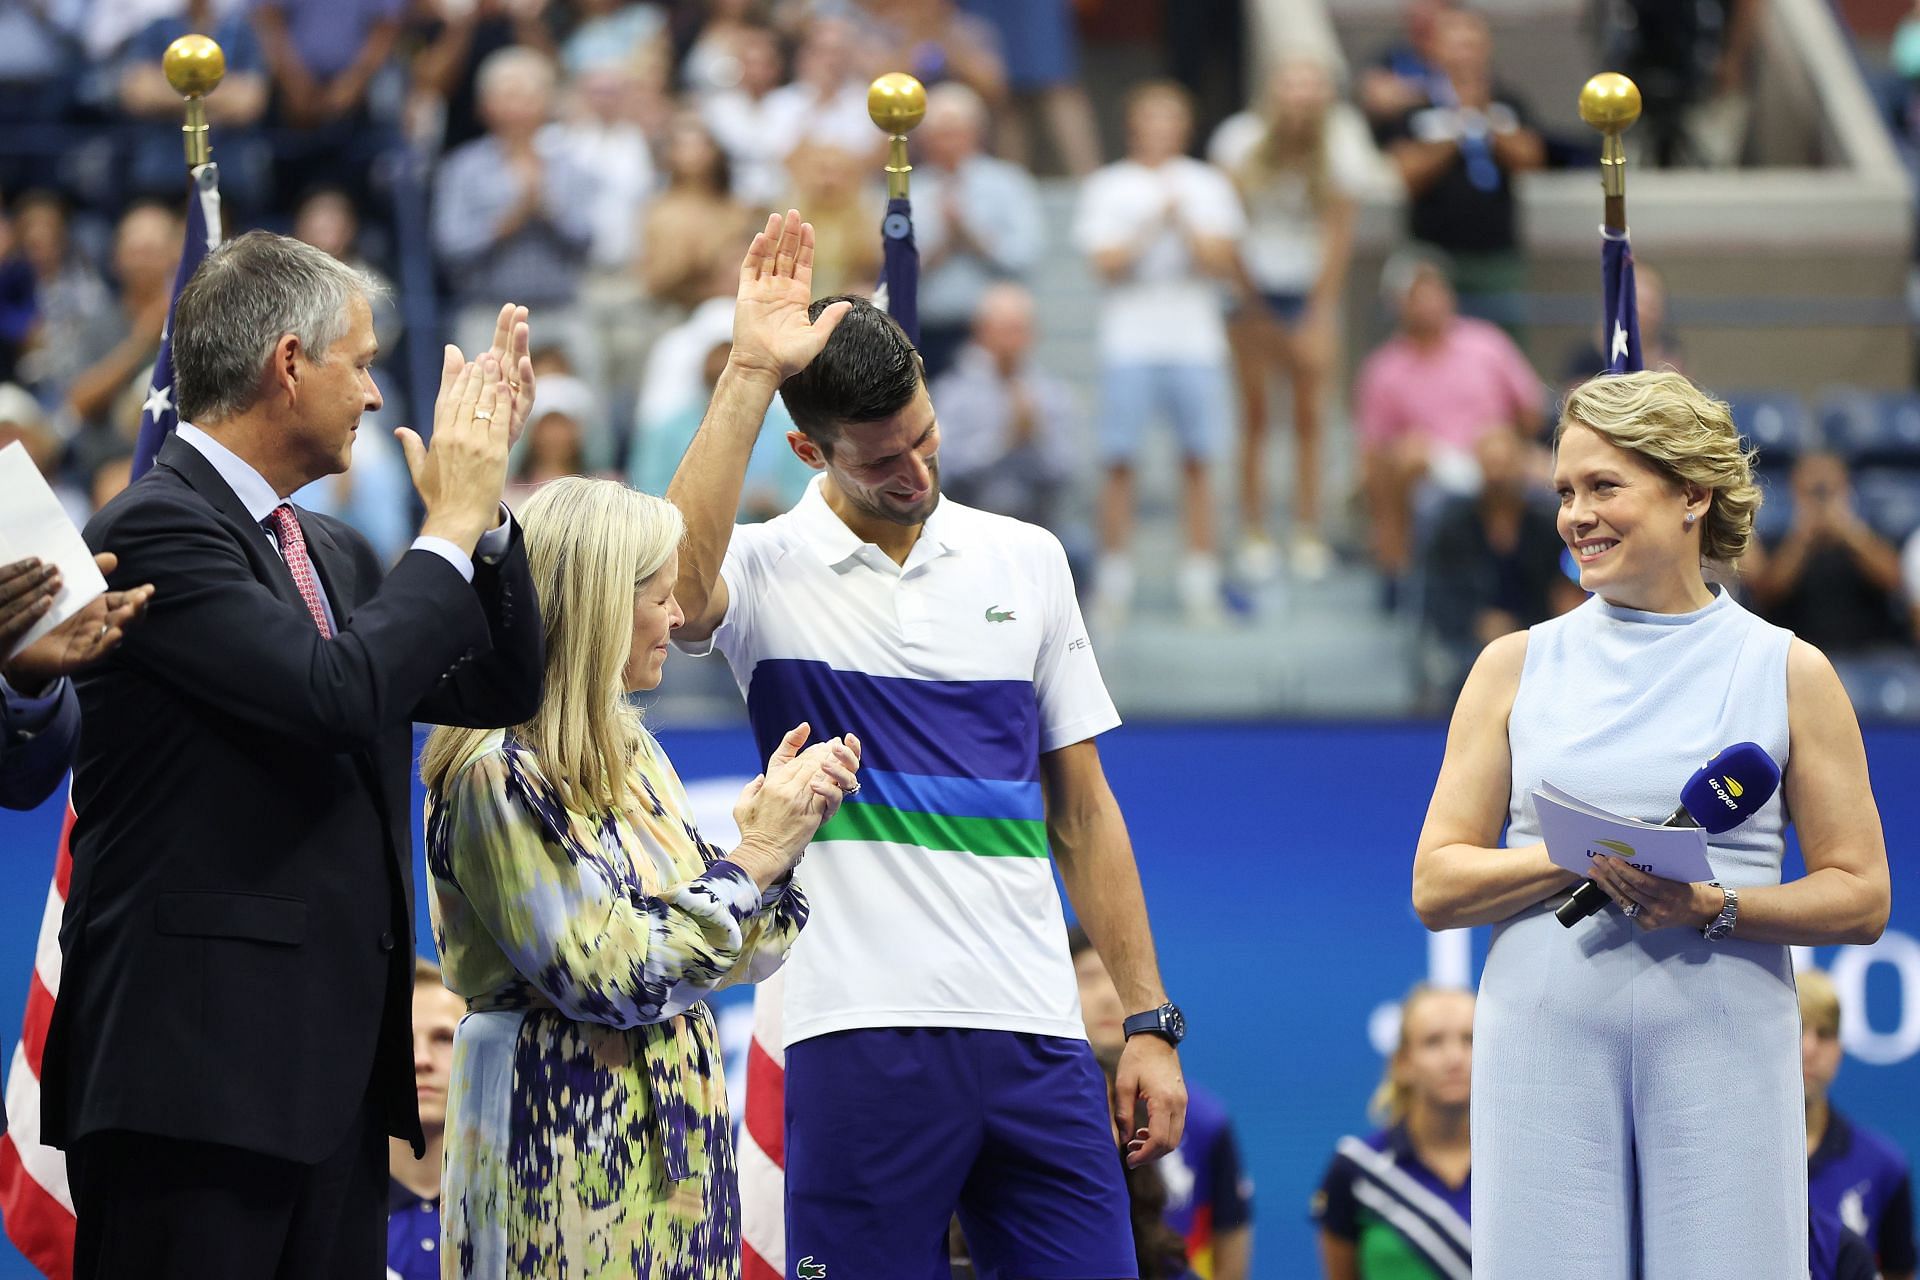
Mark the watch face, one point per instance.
(1175, 1023)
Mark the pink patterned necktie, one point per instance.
(293, 549)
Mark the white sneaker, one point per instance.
(1112, 597)
(1257, 561)
(1309, 557)
(1199, 588)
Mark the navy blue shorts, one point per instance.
(891, 1131)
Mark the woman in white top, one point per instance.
(1298, 163)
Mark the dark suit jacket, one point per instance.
(237, 959)
(31, 767)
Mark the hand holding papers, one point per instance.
(32, 524)
(1576, 832)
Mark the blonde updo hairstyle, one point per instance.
(1684, 434)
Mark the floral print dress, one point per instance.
(587, 1131)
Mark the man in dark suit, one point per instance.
(231, 1046)
(39, 712)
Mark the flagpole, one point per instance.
(195, 66)
(1611, 103)
(897, 103)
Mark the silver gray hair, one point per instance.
(244, 298)
(500, 71)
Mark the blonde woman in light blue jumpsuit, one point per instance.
(1637, 1110)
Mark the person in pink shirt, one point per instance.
(1424, 399)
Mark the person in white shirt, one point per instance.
(1299, 162)
(753, 126)
(1163, 231)
(977, 220)
(935, 1057)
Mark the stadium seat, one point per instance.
(1882, 686)
(1889, 500)
(1776, 423)
(1870, 428)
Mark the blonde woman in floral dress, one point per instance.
(584, 919)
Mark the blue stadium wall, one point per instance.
(1276, 866)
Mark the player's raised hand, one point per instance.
(772, 335)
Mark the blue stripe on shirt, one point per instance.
(982, 729)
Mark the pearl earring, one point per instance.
(1689, 519)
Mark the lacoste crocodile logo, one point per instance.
(996, 614)
(808, 1269)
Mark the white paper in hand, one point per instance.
(32, 523)
(1577, 832)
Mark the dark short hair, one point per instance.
(867, 371)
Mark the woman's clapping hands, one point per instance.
(781, 809)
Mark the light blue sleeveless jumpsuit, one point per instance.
(1637, 1107)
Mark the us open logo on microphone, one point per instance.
(1727, 791)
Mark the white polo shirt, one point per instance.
(932, 890)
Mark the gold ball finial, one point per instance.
(897, 102)
(194, 66)
(1610, 102)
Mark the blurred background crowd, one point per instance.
(1238, 296)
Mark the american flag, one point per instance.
(35, 1202)
(1622, 308)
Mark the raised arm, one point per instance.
(1461, 875)
(772, 340)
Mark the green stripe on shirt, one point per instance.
(982, 837)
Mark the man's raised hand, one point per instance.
(772, 337)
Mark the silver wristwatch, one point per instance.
(1722, 926)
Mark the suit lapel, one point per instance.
(193, 467)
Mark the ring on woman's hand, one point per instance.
(482, 417)
(850, 790)
(1630, 908)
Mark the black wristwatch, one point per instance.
(1167, 1022)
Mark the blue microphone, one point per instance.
(1727, 790)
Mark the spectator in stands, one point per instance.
(976, 220)
(753, 125)
(1163, 231)
(1690, 62)
(413, 1186)
(1396, 1204)
(1207, 1197)
(601, 137)
(566, 435)
(38, 75)
(691, 228)
(1299, 165)
(1042, 64)
(1853, 1172)
(1424, 399)
(826, 102)
(675, 377)
(934, 41)
(611, 33)
(714, 52)
(1830, 579)
(328, 219)
(1492, 565)
(69, 299)
(121, 344)
(1401, 79)
(19, 305)
(451, 39)
(845, 205)
(154, 162)
(323, 56)
(1458, 157)
(775, 478)
(513, 214)
(1009, 430)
